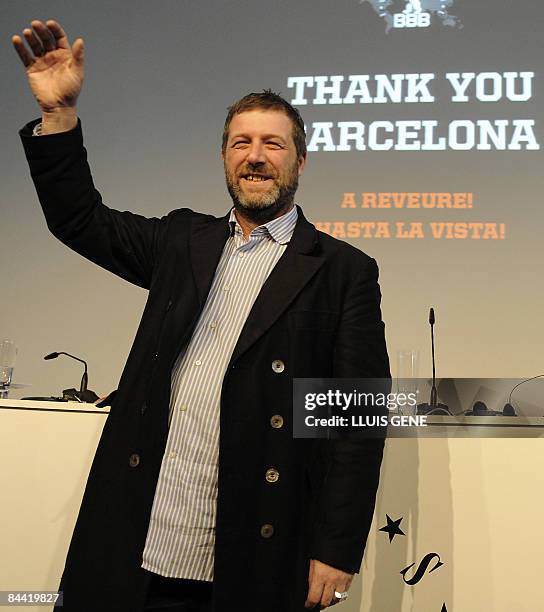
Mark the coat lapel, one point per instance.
(206, 243)
(294, 269)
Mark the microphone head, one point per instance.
(51, 356)
(508, 410)
(431, 316)
(479, 408)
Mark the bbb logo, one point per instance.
(416, 13)
(413, 16)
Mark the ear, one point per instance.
(301, 164)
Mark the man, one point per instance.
(197, 479)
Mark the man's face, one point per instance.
(261, 164)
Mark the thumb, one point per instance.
(77, 51)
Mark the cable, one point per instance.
(521, 383)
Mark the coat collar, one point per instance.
(295, 268)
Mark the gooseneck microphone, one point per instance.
(84, 394)
(433, 398)
(433, 407)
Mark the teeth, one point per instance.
(253, 177)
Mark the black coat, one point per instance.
(318, 312)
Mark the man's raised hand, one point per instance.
(54, 70)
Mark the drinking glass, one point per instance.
(8, 352)
(407, 373)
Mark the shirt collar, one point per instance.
(280, 229)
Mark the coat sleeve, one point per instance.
(124, 243)
(346, 503)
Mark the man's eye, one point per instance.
(274, 145)
(239, 144)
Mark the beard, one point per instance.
(261, 207)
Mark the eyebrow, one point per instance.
(265, 136)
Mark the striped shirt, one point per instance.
(181, 535)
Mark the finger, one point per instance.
(33, 42)
(308, 603)
(314, 594)
(44, 35)
(311, 573)
(78, 51)
(22, 51)
(327, 595)
(341, 587)
(60, 35)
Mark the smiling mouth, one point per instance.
(256, 178)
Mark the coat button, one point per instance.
(276, 421)
(272, 475)
(267, 531)
(134, 460)
(143, 408)
(169, 305)
(278, 366)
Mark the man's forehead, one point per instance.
(261, 120)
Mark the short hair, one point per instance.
(268, 100)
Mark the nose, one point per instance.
(256, 153)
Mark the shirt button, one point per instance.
(278, 366)
(182, 408)
(240, 254)
(276, 421)
(134, 460)
(213, 324)
(173, 454)
(226, 288)
(267, 531)
(198, 362)
(272, 475)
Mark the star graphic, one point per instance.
(392, 528)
